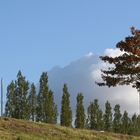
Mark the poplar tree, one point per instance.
(32, 102)
(133, 125)
(51, 109)
(46, 108)
(100, 122)
(95, 116)
(42, 99)
(117, 119)
(11, 101)
(66, 112)
(125, 123)
(91, 116)
(138, 125)
(108, 117)
(80, 112)
(21, 95)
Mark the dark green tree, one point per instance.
(32, 102)
(100, 121)
(46, 108)
(80, 112)
(42, 98)
(17, 98)
(138, 125)
(11, 101)
(22, 90)
(95, 116)
(117, 119)
(21, 97)
(125, 123)
(51, 111)
(108, 117)
(91, 116)
(66, 112)
(133, 125)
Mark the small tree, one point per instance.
(108, 117)
(117, 119)
(80, 112)
(66, 112)
(126, 67)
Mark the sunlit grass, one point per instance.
(12, 129)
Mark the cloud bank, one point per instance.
(81, 75)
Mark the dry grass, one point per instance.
(13, 129)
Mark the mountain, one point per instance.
(80, 75)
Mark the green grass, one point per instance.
(13, 129)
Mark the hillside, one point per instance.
(13, 129)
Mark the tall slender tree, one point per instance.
(22, 87)
(95, 116)
(42, 99)
(80, 112)
(51, 109)
(66, 112)
(138, 125)
(100, 120)
(46, 108)
(10, 107)
(91, 116)
(117, 119)
(125, 123)
(108, 117)
(134, 124)
(32, 102)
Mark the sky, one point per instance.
(36, 35)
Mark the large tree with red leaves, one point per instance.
(125, 68)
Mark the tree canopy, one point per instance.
(125, 68)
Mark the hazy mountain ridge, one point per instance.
(80, 75)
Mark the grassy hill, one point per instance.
(13, 129)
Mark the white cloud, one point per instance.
(81, 75)
(96, 74)
(113, 52)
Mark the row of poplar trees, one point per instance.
(25, 101)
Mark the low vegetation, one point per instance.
(15, 129)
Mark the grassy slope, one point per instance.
(12, 129)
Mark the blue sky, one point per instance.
(36, 35)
